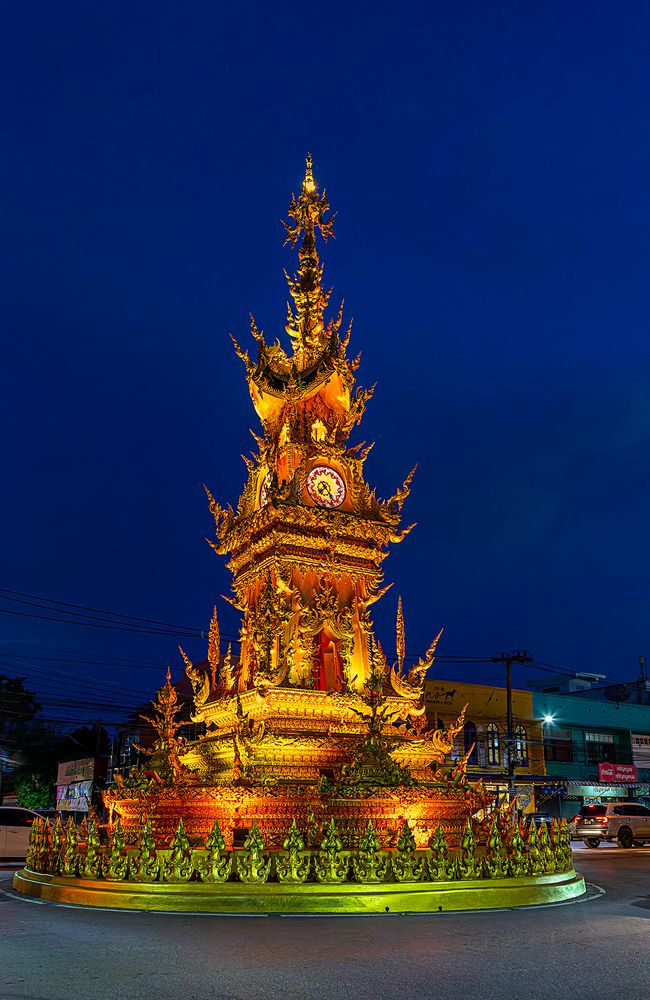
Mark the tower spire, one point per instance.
(305, 324)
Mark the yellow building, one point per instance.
(485, 730)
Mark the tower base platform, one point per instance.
(235, 897)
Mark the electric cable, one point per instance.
(82, 607)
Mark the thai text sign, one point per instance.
(76, 770)
(616, 772)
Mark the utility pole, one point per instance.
(514, 656)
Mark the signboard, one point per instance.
(548, 790)
(616, 772)
(597, 792)
(76, 770)
(525, 798)
(74, 797)
(447, 699)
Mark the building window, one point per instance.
(558, 745)
(469, 738)
(493, 745)
(600, 747)
(521, 746)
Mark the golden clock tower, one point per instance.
(308, 720)
(308, 538)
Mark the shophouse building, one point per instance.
(596, 749)
(485, 734)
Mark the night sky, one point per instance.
(490, 166)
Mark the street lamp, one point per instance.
(548, 720)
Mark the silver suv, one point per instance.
(626, 822)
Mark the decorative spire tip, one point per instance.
(309, 184)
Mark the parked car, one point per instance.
(15, 827)
(538, 818)
(628, 823)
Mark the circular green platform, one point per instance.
(350, 897)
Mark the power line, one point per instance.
(84, 681)
(77, 652)
(82, 607)
(51, 672)
(121, 664)
(110, 627)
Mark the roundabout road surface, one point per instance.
(594, 947)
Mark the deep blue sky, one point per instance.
(490, 165)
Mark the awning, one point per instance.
(572, 782)
(500, 777)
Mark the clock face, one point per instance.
(264, 492)
(325, 486)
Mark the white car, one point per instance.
(15, 827)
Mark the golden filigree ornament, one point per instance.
(370, 865)
(200, 682)
(294, 863)
(400, 636)
(166, 750)
(214, 649)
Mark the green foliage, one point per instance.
(34, 791)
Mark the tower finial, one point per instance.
(309, 184)
(306, 214)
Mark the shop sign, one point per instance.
(525, 797)
(76, 770)
(616, 772)
(598, 792)
(74, 797)
(560, 790)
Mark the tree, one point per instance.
(88, 741)
(18, 710)
(33, 792)
(18, 707)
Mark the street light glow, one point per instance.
(548, 719)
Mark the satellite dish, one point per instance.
(617, 692)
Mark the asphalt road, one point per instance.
(599, 947)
